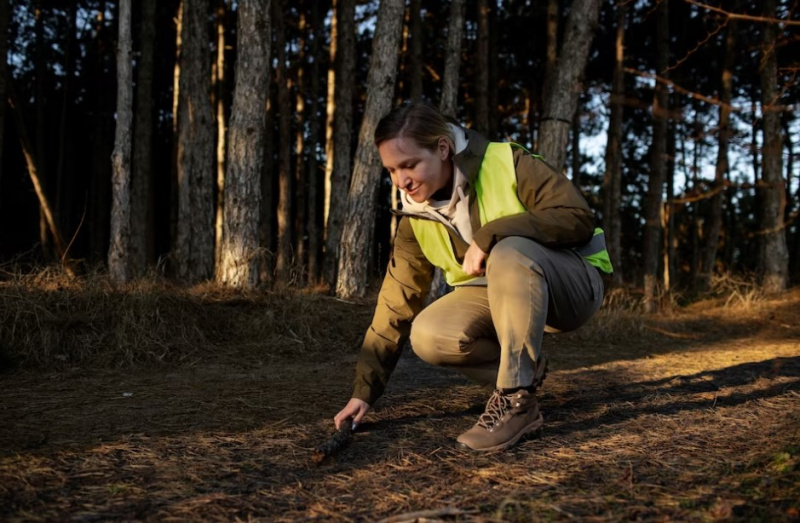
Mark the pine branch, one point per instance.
(740, 16)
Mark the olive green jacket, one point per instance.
(557, 216)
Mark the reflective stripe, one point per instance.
(595, 252)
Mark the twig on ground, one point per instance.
(336, 443)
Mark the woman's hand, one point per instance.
(355, 409)
(473, 260)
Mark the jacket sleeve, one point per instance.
(401, 298)
(557, 213)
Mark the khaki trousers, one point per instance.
(493, 333)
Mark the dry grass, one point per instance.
(48, 321)
(692, 415)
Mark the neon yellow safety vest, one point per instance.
(497, 197)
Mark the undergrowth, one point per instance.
(48, 320)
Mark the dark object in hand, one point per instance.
(336, 443)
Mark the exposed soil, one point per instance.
(694, 416)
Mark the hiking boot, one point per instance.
(507, 418)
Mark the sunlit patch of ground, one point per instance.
(691, 416)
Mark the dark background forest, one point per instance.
(704, 150)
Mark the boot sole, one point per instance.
(532, 428)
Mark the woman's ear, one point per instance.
(444, 148)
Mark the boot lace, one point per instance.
(496, 408)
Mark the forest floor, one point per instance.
(688, 415)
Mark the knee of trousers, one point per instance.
(427, 342)
(513, 260)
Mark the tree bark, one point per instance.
(239, 260)
(120, 262)
(300, 174)
(452, 61)
(482, 73)
(414, 73)
(330, 107)
(195, 160)
(775, 272)
(714, 226)
(562, 92)
(284, 259)
(40, 108)
(33, 172)
(612, 179)
(218, 78)
(5, 13)
(658, 163)
(356, 244)
(62, 200)
(342, 132)
(314, 178)
(142, 220)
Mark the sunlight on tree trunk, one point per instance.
(330, 107)
(359, 226)
(119, 254)
(300, 180)
(239, 260)
(342, 135)
(218, 80)
(284, 258)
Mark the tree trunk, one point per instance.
(314, 178)
(562, 92)
(658, 165)
(5, 13)
(330, 109)
(40, 108)
(576, 148)
(715, 212)
(356, 244)
(775, 272)
(239, 260)
(218, 78)
(612, 179)
(414, 72)
(284, 260)
(30, 162)
(342, 132)
(452, 61)
(120, 262)
(195, 161)
(482, 70)
(267, 219)
(62, 200)
(668, 209)
(142, 220)
(300, 178)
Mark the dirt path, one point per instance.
(689, 429)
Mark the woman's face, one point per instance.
(417, 171)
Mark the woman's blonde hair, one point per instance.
(418, 121)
